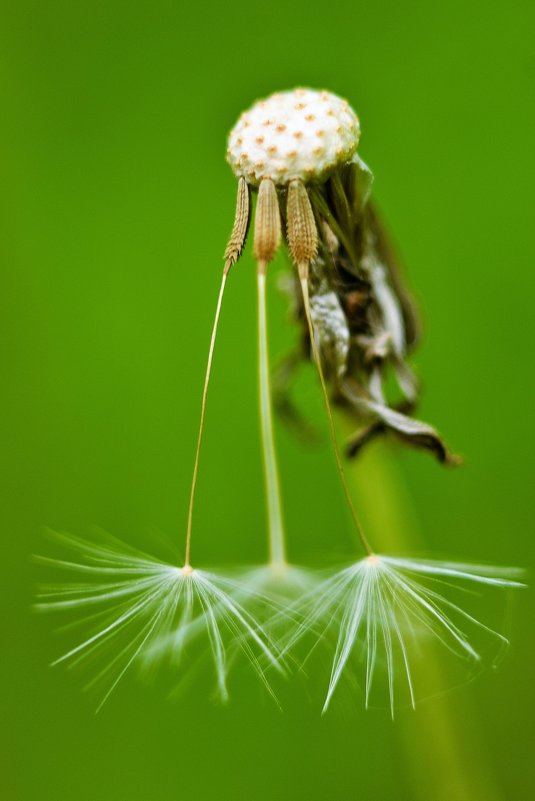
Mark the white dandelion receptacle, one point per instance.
(297, 135)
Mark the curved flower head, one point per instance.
(138, 610)
(298, 150)
(383, 613)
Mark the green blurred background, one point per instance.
(116, 203)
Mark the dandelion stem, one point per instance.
(271, 473)
(226, 269)
(303, 277)
(439, 738)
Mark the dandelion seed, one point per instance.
(137, 610)
(382, 613)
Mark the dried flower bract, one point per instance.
(301, 146)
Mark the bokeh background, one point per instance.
(115, 206)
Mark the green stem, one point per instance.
(271, 474)
(443, 746)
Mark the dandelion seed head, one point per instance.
(135, 610)
(384, 617)
(287, 149)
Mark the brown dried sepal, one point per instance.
(301, 227)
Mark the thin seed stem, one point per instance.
(303, 277)
(277, 548)
(203, 411)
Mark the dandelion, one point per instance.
(297, 150)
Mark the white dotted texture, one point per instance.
(299, 134)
